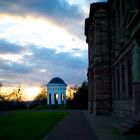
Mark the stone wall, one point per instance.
(102, 89)
(96, 29)
(112, 32)
(123, 107)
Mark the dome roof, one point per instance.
(56, 80)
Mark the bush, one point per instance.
(11, 105)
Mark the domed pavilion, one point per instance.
(56, 91)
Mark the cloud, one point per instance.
(59, 11)
(59, 64)
(100, 0)
(38, 31)
(42, 39)
(6, 47)
(14, 73)
(66, 59)
(13, 67)
(42, 65)
(52, 8)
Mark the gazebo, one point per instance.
(56, 91)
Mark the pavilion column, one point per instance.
(59, 97)
(53, 98)
(64, 96)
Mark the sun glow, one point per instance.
(28, 93)
(31, 92)
(41, 32)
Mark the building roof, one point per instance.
(89, 20)
(57, 80)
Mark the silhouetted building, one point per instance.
(113, 35)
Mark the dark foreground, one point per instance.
(74, 127)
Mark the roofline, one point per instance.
(93, 8)
(50, 82)
(57, 84)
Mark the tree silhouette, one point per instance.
(16, 95)
(42, 95)
(41, 98)
(1, 96)
(80, 100)
(71, 91)
(12, 100)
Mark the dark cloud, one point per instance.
(6, 47)
(59, 64)
(65, 59)
(12, 67)
(60, 11)
(14, 73)
(65, 65)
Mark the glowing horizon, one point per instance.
(30, 92)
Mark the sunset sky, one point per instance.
(42, 39)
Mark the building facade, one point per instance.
(113, 35)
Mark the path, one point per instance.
(73, 127)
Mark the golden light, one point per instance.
(40, 30)
(31, 92)
(28, 93)
(56, 96)
(70, 93)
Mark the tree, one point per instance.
(16, 95)
(12, 100)
(1, 96)
(80, 100)
(41, 98)
(71, 91)
(42, 95)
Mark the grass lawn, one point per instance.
(28, 125)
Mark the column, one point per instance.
(136, 76)
(59, 97)
(136, 62)
(120, 77)
(64, 92)
(116, 83)
(113, 83)
(126, 78)
(53, 100)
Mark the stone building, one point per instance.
(56, 91)
(113, 35)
